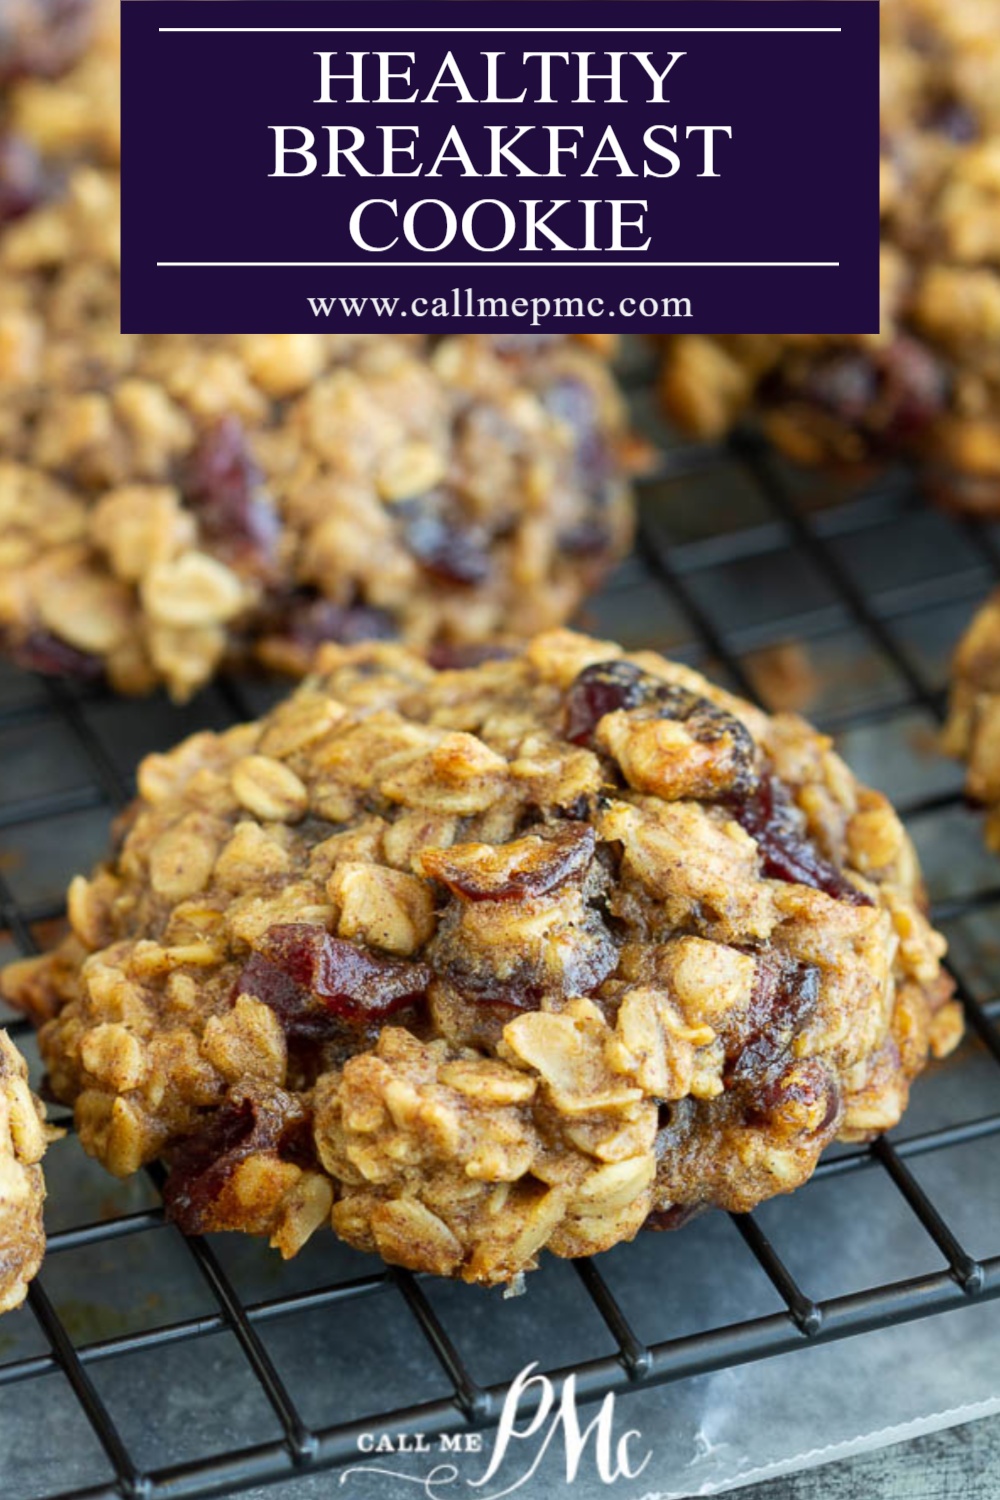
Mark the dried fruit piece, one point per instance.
(203, 1166)
(225, 488)
(784, 996)
(602, 689)
(447, 546)
(619, 686)
(308, 621)
(41, 651)
(22, 179)
(351, 983)
(541, 862)
(787, 853)
(452, 657)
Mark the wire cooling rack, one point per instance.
(175, 1368)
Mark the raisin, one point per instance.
(914, 387)
(786, 852)
(585, 955)
(446, 546)
(953, 118)
(785, 994)
(546, 859)
(202, 1165)
(801, 1087)
(586, 539)
(577, 405)
(308, 621)
(40, 651)
(674, 1217)
(891, 394)
(22, 179)
(844, 384)
(602, 689)
(224, 487)
(452, 657)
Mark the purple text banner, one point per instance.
(502, 166)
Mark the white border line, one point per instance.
(502, 30)
(466, 265)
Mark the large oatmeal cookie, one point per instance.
(167, 502)
(22, 1186)
(491, 959)
(929, 383)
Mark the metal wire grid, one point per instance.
(670, 571)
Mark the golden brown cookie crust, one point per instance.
(167, 503)
(929, 384)
(479, 961)
(22, 1186)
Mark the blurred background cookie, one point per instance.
(168, 503)
(928, 385)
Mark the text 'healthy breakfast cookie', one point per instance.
(23, 1137)
(482, 961)
(167, 502)
(929, 383)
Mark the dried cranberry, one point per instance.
(576, 404)
(447, 547)
(803, 1086)
(309, 621)
(43, 652)
(954, 119)
(785, 994)
(602, 689)
(349, 981)
(224, 487)
(22, 178)
(585, 539)
(609, 686)
(303, 1019)
(202, 1166)
(674, 1217)
(786, 852)
(585, 955)
(890, 394)
(544, 860)
(844, 384)
(447, 657)
(914, 387)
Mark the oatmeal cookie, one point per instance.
(928, 385)
(169, 502)
(22, 1188)
(972, 733)
(480, 960)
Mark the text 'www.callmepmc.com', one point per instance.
(461, 303)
